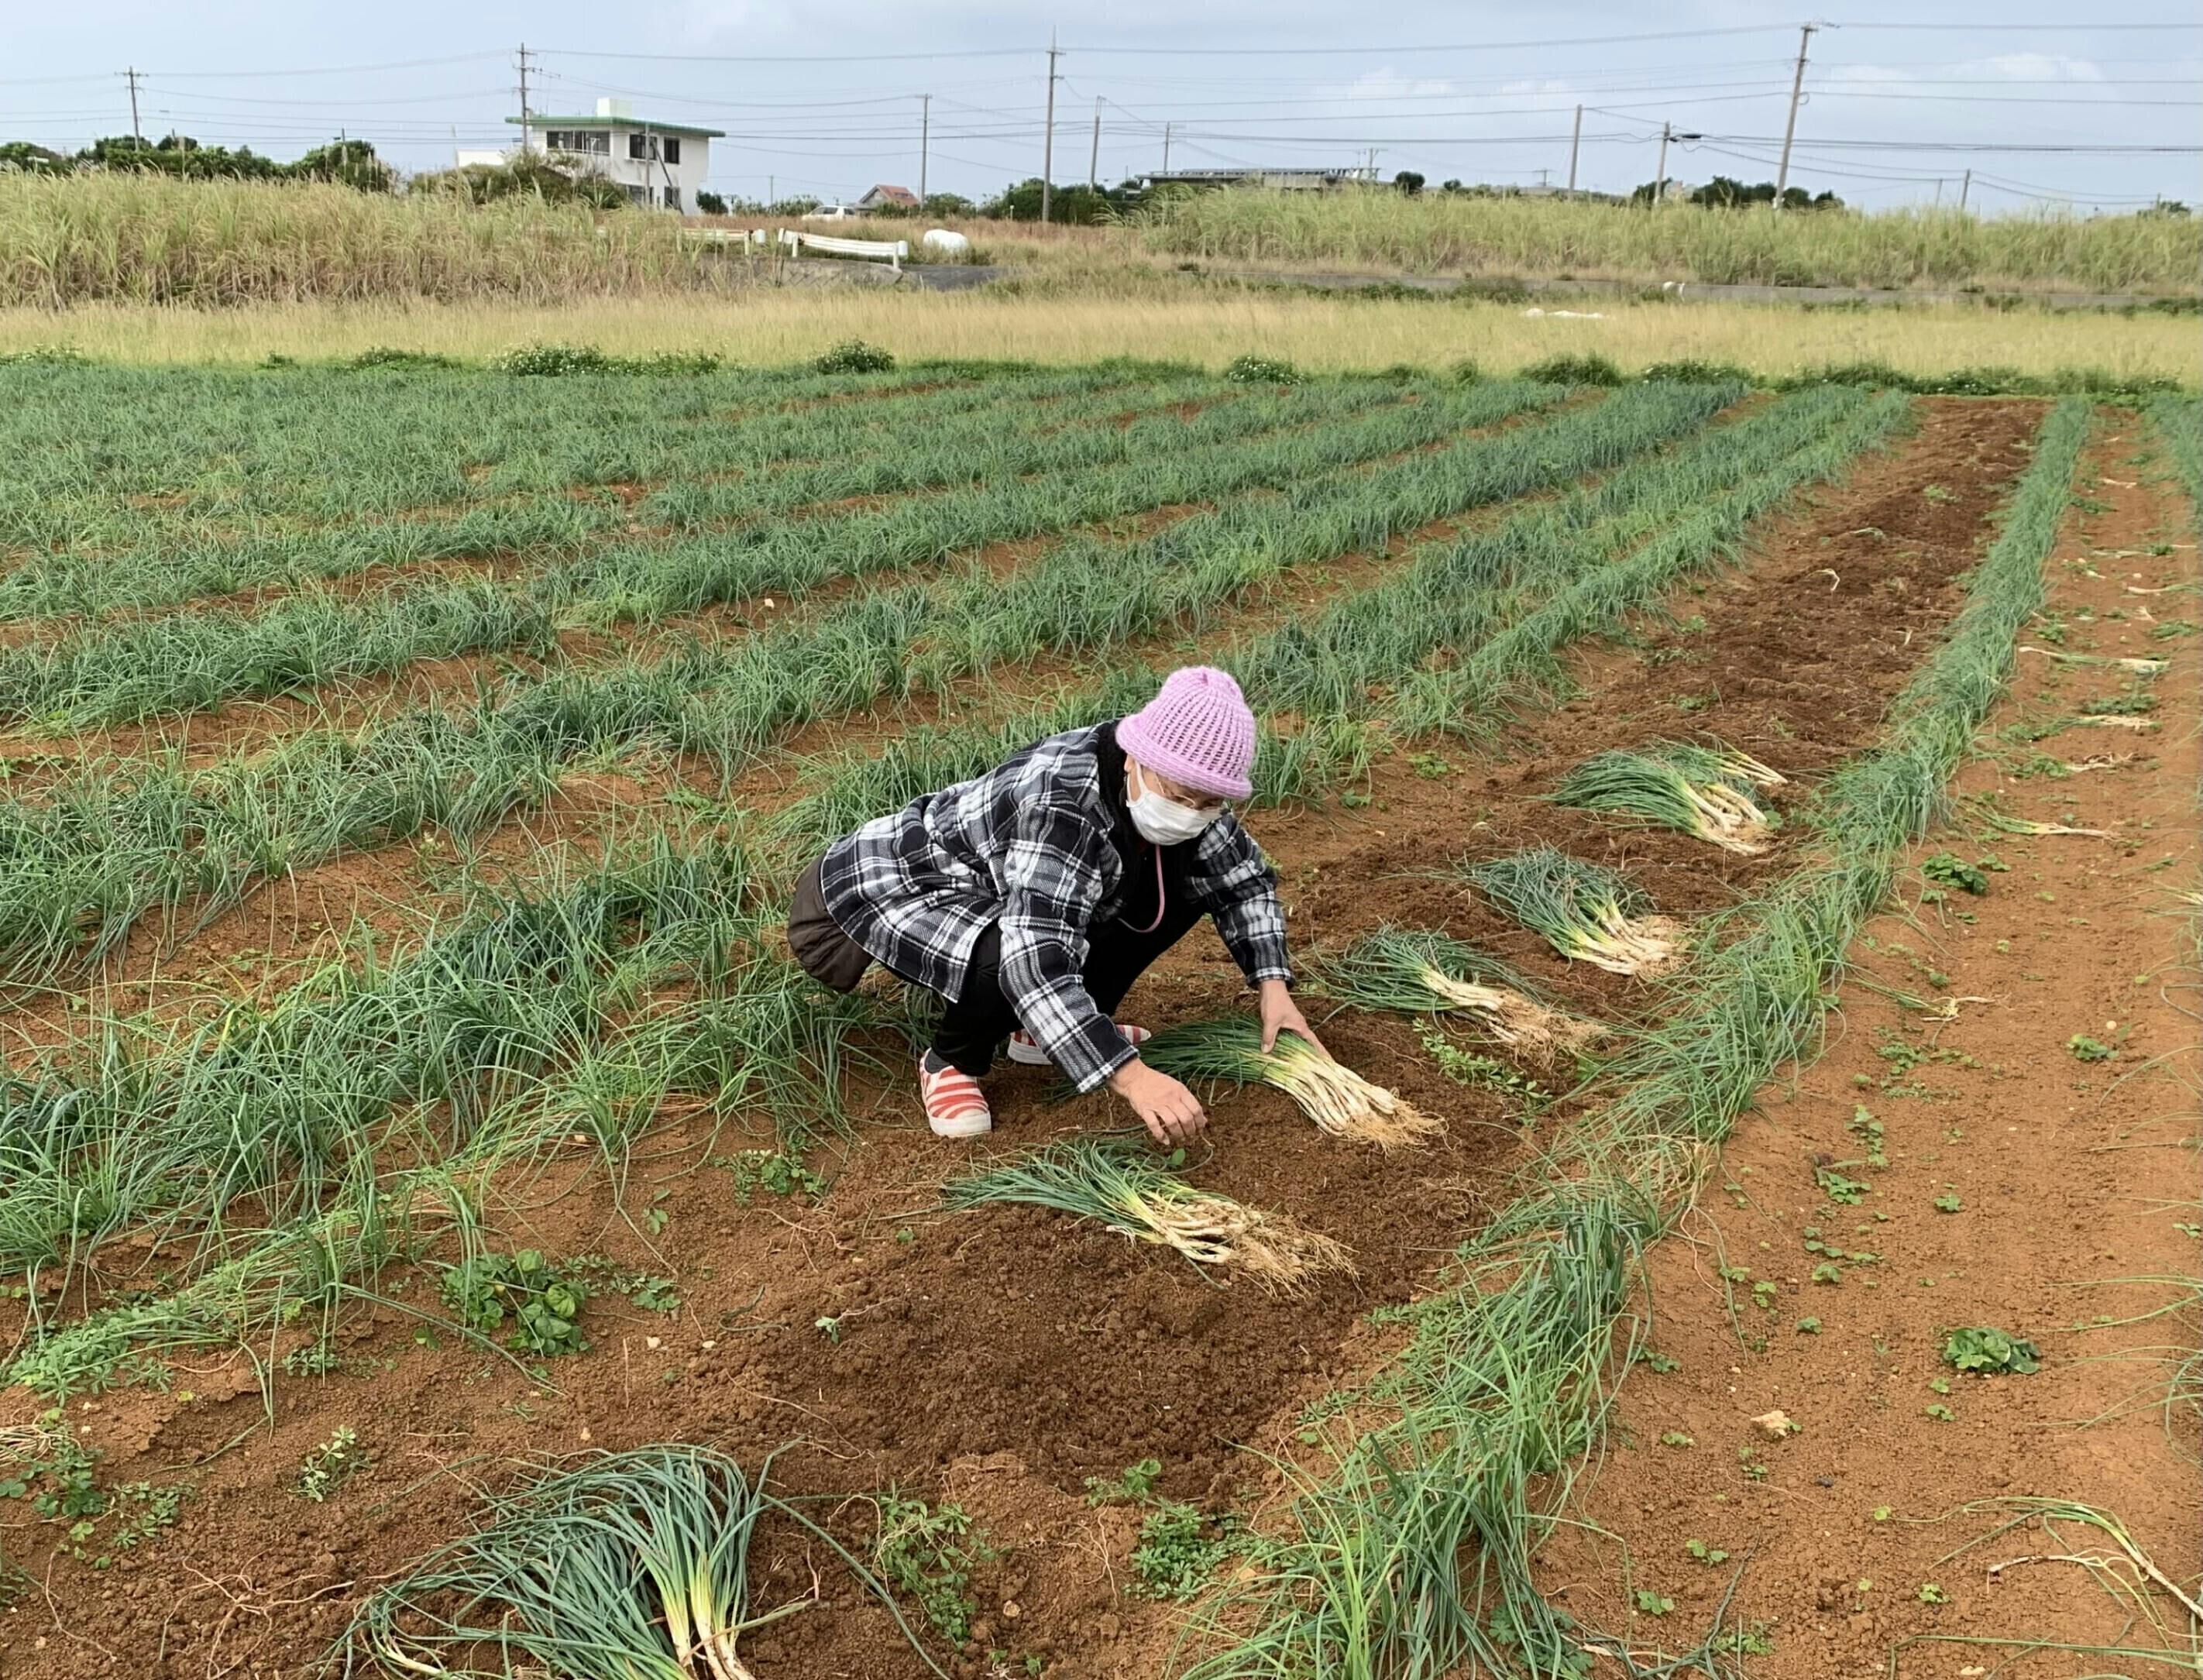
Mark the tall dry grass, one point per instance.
(148, 239)
(1440, 233)
(1318, 330)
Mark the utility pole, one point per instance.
(1094, 157)
(1660, 172)
(1790, 128)
(1575, 145)
(1167, 129)
(1047, 141)
(136, 133)
(525, 113)
(1964, 187)
(925, 141)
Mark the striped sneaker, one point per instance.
(954, 1105)
(1025, 1051)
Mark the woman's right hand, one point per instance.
(1171, 1112)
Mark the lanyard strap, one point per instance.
(1157, 922)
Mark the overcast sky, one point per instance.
(820, 96)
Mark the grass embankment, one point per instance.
(1441, 233)
(1203, 327)
(1505, 1387)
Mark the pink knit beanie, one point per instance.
(1198, 731)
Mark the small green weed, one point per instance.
(1703, 1553)
(1179, 1549)
(1135, 1484)
(772, 1170)
(1650, 1603)
(330, 1465)
(1949, 1202)
(2087, 1049)
(541, 1302)
(1848, 1192)
(1947, 869)
(1932, 1593)
(1983, 1349)
(1484, 1073)
(928, 1554)
(1869, 1131)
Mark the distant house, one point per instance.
(884, 198)
(1289, 179)
(660, 164)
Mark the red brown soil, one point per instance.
(2070, 1177)
(999, 1359)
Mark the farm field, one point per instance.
(409, 1087)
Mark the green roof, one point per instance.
(650, 123)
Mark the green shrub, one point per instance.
(1263, 370)
(386, 356)
(551, 361)
(1585, 370)
(854, 356)
(1692, 371)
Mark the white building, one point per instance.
(658, 163)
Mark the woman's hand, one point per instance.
(1171, 1113)
(1281, 1014)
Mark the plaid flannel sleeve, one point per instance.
(1250, 917)
(1052, 879)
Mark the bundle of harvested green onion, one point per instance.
(633, 1567)
(1587, 911)
(1333, 1096)
(1418, 971)
(1697, 790)
(1122, 1183)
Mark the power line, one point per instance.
(327, 70)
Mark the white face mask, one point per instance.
(1164, 822)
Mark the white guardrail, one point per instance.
(893, 252)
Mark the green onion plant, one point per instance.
(1700, 791)
(1338, 1099)
(1586, 911)
(1417, 971)
(1123, 1184)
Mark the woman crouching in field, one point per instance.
(1029, 899)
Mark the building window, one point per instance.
(672, 145)
(638, 195)
(650, 148)
(672, 199)
(591, 142)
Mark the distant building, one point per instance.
(660, 164)
(883, 197)
(1287, 180)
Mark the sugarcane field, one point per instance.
(1299, 909)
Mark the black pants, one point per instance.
(1116, 956)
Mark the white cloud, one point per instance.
(1390, 84)
(2040, 66)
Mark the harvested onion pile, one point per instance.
(1334, 1096)
(1415, 972)
(1123, 1184)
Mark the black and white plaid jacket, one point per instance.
(1031, 846)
